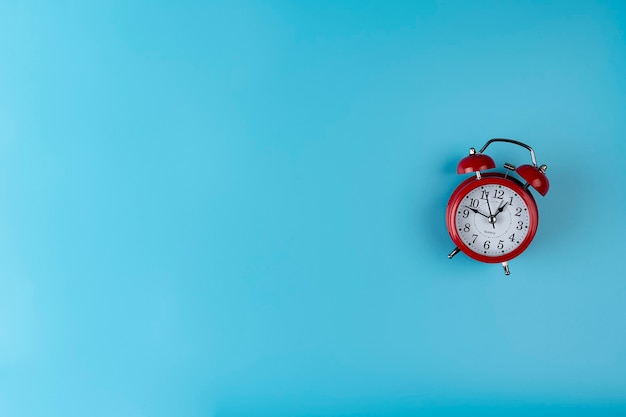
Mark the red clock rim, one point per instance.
(491, 178)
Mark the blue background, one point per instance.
(237, 208)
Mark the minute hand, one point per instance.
(475, 210)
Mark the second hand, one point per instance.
(493, 224)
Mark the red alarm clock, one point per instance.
(492, 217)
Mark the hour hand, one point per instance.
(475, 210)
(499, 210)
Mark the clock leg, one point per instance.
(505, 265)
(454, 252)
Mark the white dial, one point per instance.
(492, 220)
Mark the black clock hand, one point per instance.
(491, 216)
(476, 211)
(500, 209)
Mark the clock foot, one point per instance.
(454, 252)
(505, 265)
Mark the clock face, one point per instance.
(493, 219)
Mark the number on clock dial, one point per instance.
(508, 231)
